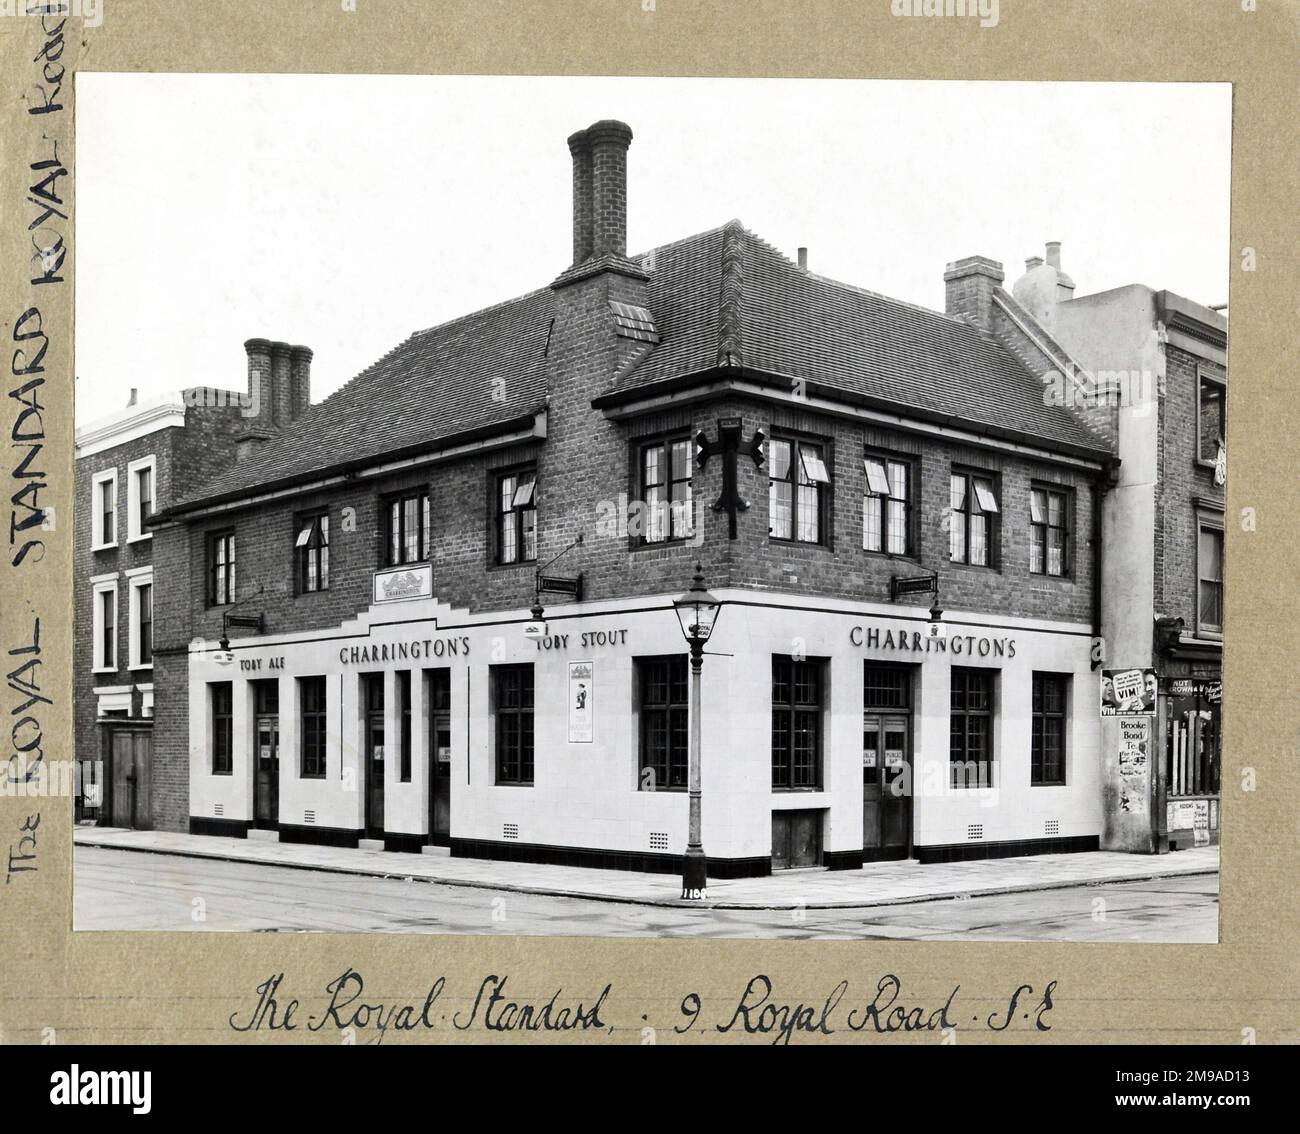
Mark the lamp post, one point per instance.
(697, 613)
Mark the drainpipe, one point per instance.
(1105, 480)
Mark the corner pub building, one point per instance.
(349, 664)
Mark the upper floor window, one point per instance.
(1209, 579)
(103, 518)
(141, 626)
(516, 516)
(887, 506)
(221, 568)
(1211, 418)
(141, 477)
(104, 628)
(1048, 521)
(972, 533)
(666, 491)
(796, 723)
(796, 492)
(406, 529)
(1047, 742)
(313, 551)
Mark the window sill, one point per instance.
(139, 538)
(797, 790)
(514, 785)
(663, 791)
(313, 776)
(1045, 783)
(512, 566)
(980, 567)
(663, 544)
(1209, 635)
(104, 546)
(104, 669)
(141, 667)
(894, 556)
(799, 543)
(1043, 576)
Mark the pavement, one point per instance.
(878, 884)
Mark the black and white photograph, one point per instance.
(650, 507)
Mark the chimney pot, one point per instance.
(134, 395)
(1033, 262)
(1054, 254)
(803, 258)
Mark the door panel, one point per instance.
(375, 776)
(796, 839)
(130, 752)
(267, 756)
(886, 785)
(440, 777)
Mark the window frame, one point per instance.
(515, 515)
(402, 688)
(1066, 493)
(305, 553)
(104, 635)
(98, 542)
(227, 569)
(988, 715)
(909, 463)
(521, 713)
(793, 708)
(309, 721)
(136, 582)
(1216, 527)
(648, 713)
(1203, 377)
(666, 444)
(823, 488)
(135, 515)
(222, 753)
(1038, 718)
(993, 529)
(424, 519)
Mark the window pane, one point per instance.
(898, 480)
(979, 547)
(1211, 554)
(814, 468)
(1037, 549)
(653, 519)
(1055, 551)
(984, 495)
(681, 460)
(780, 517)
(1037, 509)
(871, 523)
(809, 519)
(897, 527)
(1055, 509)
(652, 463)
(780, 455)
(957, 489)
(530, 533)
(957, 537)
(877, 481)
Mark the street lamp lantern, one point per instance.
(697, 613)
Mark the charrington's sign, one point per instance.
(916, 642)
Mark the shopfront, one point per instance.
(832, 735)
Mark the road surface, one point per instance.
(116, 889)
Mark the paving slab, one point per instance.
(878, 884)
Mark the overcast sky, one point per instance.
(345, 212)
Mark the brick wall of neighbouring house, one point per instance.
(1182, 481)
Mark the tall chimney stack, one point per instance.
(580, 148)
(299, 381)
(607, 142)
(803, 258)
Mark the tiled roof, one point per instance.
(483, 369)
(722, 297)
(728, 293)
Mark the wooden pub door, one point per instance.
(887, 762)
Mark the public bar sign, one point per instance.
(403, 583)
(1128, 692)
(581, 710)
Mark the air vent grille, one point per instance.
(975, 831)
(309, 817)
(658, 840)
(218, 809)
(510, 830)
(1052, 827)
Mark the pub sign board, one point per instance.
(1128, 692)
